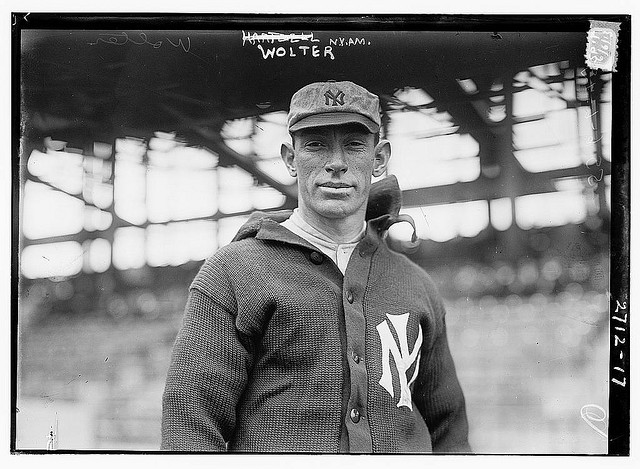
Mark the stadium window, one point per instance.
(583, 186)
(129, 248)
(534, 102)
(181, 183)
(49, 212)
(468, 85)
(130, 181)
(435, 161)
(417, 123)
(40, 165)
(202, 239)
(264, 197)
(235, 185)
(165, 181)
(553, 121)
(102, 150)
(156, 247)
(181, 242)
(51, 260)
(422, 136)
(473, 217)
(550, 209)
(96, 189)
(269, 132)
(497, 113)
(260, 138)
(101, 195)
(97, 255)
(444, 222)
(276, 169)
(60, 168)
(237, 133)
(96, 219)
(549, 143)
(414, 97)
(501, 213)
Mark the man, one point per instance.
(307, 333)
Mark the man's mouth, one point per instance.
(336, 185)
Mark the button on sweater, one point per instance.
(339, 253)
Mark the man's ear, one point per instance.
(382, 153)
(288, 156)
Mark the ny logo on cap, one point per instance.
(336, 98)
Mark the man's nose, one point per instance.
(337, 162)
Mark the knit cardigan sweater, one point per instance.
(281, 352)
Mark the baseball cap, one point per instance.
(333, 103)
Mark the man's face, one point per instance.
(334, 165)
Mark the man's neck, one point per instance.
(340, 230)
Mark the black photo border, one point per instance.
(619, 301)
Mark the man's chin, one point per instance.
(336, 209)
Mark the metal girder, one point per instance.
(485, 188)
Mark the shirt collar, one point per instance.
(318, 235)
(271, 230)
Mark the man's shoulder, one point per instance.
(254, 251)
(238, 246)
(237, 251)
(232, 261)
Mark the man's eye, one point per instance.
(313, 144)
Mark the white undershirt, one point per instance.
(339, 253)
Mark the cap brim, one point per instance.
(335, 118)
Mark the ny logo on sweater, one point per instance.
(402, 358)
